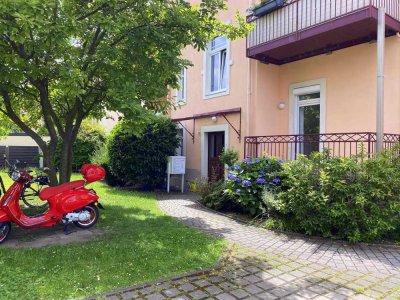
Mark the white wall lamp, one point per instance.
(214, 119)
(282, 105)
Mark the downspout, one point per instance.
(248, 100)
(380, 89)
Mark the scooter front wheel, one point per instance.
(94, 216)
(5, 229)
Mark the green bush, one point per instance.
(229, 157)
(100, 157)
(214, 195)
(248, 179)
(141, 160)
(90, 137)
(345, 198)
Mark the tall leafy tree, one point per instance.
(62, 61)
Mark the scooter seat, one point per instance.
(54, 190)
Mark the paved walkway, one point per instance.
(266, 265)
(341, 255)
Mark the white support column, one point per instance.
(41, 164)
(381, 80)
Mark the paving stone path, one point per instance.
(340, 255)
(265, 265)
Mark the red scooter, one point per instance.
(68, 203)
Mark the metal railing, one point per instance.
(288, 147)
(297, 15)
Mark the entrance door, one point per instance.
(216, 169)
(309, 122)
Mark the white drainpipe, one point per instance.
(381, 80)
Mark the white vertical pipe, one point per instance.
(380, 89)
(249, 91)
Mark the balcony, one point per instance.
(288, 147)
(304, 28)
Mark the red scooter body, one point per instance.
(65, 201)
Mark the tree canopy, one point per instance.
(62, 61)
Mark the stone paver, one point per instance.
(340, 255)
(265, 265)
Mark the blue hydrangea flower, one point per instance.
(231, 176)
(238, 191)
(276, 181)
(247, 160)
(236, 167)
(230, 168)
(260, 180)
(281, 161)
(246, 182)
(257, 161)
(262, 172)
(237, 179)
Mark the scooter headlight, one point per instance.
(15, 175)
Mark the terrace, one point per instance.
(286, 31)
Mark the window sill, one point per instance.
(216, 94)
(180, 103)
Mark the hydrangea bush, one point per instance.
(247, 180)
(342, 198)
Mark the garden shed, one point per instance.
(20, 146)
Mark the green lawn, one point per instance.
(140, 244)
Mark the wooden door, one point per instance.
(216, 142)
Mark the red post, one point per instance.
(256, 148)
(245, 147)
(369, 144)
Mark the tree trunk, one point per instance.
(66, 159)
(49, 162)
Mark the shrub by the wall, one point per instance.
(100, 157)
(141, 160)
(229, 157)
(345, 198)
(214, 195)
(248, 179)
(90, 137)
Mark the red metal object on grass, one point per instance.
(68, 203)
(92, 172)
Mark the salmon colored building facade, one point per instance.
(304, 79)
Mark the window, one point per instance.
(181, 92)
(307, 115)
(180, 150)
(216, 80)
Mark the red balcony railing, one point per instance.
(298, 19)
(288, 147)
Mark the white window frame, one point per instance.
(304, 88)
(183, 139)
(182, 90)
(207, 93)
(303, 103)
